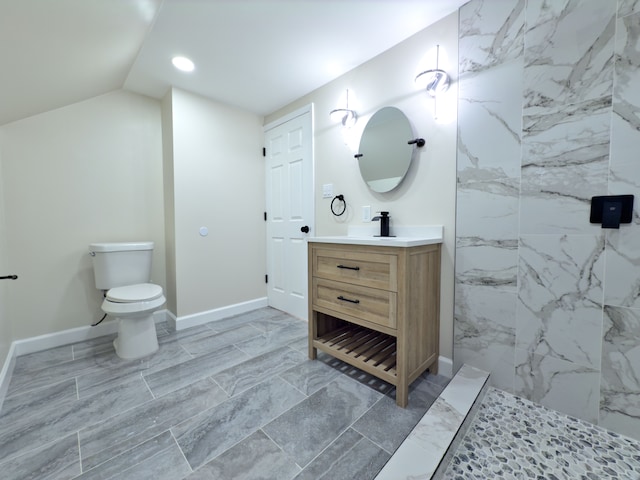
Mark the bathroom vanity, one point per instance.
(374, 303)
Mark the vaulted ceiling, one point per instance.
(258, 55)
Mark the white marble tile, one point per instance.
(560, 297)
(564, 64)
(490, 34)
(620, 386)
(622, 272)
(557, 384)
(487, 205)
(565, 162)
(487, 262)
(627, 7)
(485, 333)
(490, 121)
(419, 455)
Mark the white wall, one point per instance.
(88, 172)
(218, 183)
(427, 195)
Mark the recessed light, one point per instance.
(183, 63)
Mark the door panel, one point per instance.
(289, 185)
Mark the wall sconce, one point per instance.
(346, 116)
(435, 81)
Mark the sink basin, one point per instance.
(424, 236)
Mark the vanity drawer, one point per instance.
(369, 304)
(344, 264)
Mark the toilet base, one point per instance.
(136, 338)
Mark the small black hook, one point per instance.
(418, 141)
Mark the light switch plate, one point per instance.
(327, 190)
(366, 213)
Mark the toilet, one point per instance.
(123, 270)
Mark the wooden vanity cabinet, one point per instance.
(376, 308)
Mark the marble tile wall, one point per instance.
(549, 116)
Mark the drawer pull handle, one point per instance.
(348, 267)
(344, 299)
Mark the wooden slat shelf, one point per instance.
(364, 348)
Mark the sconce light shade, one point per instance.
(435, 81)
(347, 117)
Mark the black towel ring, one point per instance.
(344, 205)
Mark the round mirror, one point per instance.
(384, 154)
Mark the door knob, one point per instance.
(305, 229)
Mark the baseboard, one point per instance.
(7, 371)
(188, 321)
(445, 367)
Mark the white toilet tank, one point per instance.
(122, 263)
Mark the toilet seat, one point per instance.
(141, 292)
(132, 299)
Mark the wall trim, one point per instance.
(187, 321)
(445, 367)
(7, 371)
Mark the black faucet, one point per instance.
(384, 223)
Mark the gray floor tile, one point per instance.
(254, 458)
(301, 344)
(123, 432)
(111, 374)
(251, 372)
(213, 341)
(272, 339)
(186, 335)
(58, 460)
(350, 456)
(94, 346)
(18, 406)
(277, 322)
(45, 359)
(206, 436)
(64, 371)
(309, 376)
(39, 429)
(157, 458)
(309, 427)
(243, 318)
(185, 373)
(387, 425)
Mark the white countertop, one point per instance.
(407, 237)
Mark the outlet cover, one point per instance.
(327, 190)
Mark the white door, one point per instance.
(289, 188)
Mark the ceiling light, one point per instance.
(183, 64)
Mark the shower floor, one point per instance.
(512, 438)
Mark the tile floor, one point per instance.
(233, 399)
(513, 438)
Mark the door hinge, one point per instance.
(265, 216)
(266, 279)
(264, 152)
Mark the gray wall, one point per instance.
(548, 118)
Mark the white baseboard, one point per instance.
(5, 374)
(445, 367)
(201, 318)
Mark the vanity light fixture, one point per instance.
(346, 116)
(183, 64)
(435, 80)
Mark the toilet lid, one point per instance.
(135, 293)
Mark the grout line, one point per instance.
(180, 449)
